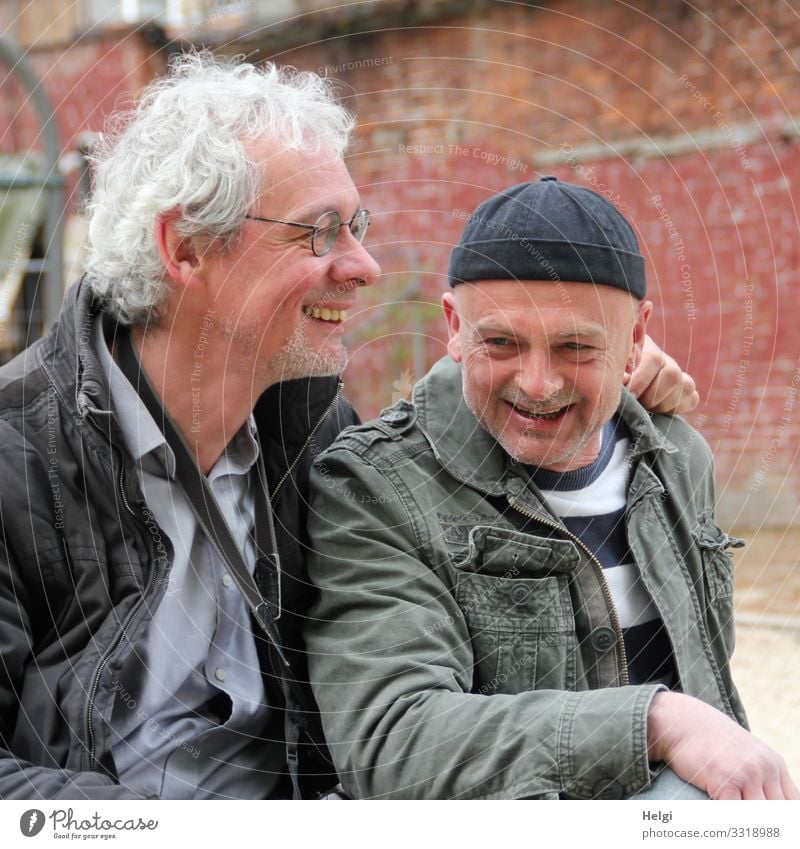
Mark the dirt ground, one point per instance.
(766, 662)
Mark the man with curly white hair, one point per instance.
(156, 447)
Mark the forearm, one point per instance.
(445, 744)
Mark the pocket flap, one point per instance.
(502, 551)
(529, 605)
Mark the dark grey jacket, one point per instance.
(80, 568)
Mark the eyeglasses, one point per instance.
(326, 228)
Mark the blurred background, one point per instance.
(685, 115)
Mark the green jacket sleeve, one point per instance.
(391, 664)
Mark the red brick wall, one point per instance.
(451, 114)
(691, 113)
(85, 81)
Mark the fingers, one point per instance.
(757, 778)
(763, 776)
(772, 789)
(790, 789)
(768, 781)
(653, 359)
(758, 794)
(671, 395)
(661, 385)
(729, 793)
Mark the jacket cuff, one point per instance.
(602, 744)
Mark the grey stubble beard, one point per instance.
(296, 359)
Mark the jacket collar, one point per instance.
(472, 455)
(459, 443)
(287, 412)
(68, 354)
(646, 437)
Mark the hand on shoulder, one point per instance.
(660, 384)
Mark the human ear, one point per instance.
(643, 313)
(453, 321)
(177, 252)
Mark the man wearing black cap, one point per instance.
(525, 530)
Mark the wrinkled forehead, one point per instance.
(583, 301)
(303, 183)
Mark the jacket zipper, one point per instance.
(89, 711)
(317, 426)
(273, 496)
(598, 567)
(99, 671)
(122, 490)
(271, 647)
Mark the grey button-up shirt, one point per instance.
(190, 700)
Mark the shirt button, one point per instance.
(219, 673)
(227, 580)
(603, 638)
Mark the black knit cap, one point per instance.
(549, 230)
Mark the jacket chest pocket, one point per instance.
(514, 595)
(717, 563)
(714, 543)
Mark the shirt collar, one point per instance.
(547, 479)
(240, 454)
(142, 435)
(144, 438)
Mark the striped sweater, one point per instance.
(591, 503)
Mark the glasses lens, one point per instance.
(327, 229)
(359, 224)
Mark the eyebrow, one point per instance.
(493, 328)
(311, 215)
(590, 331)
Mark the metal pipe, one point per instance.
(52, 183)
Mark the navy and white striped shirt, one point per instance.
(591, 502)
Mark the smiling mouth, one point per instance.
(535, 415)
(325, 314)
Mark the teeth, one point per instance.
(325, 314)
(553, 415)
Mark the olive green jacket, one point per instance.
(455, 656)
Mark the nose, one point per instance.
(538, 377)
(352, 261)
